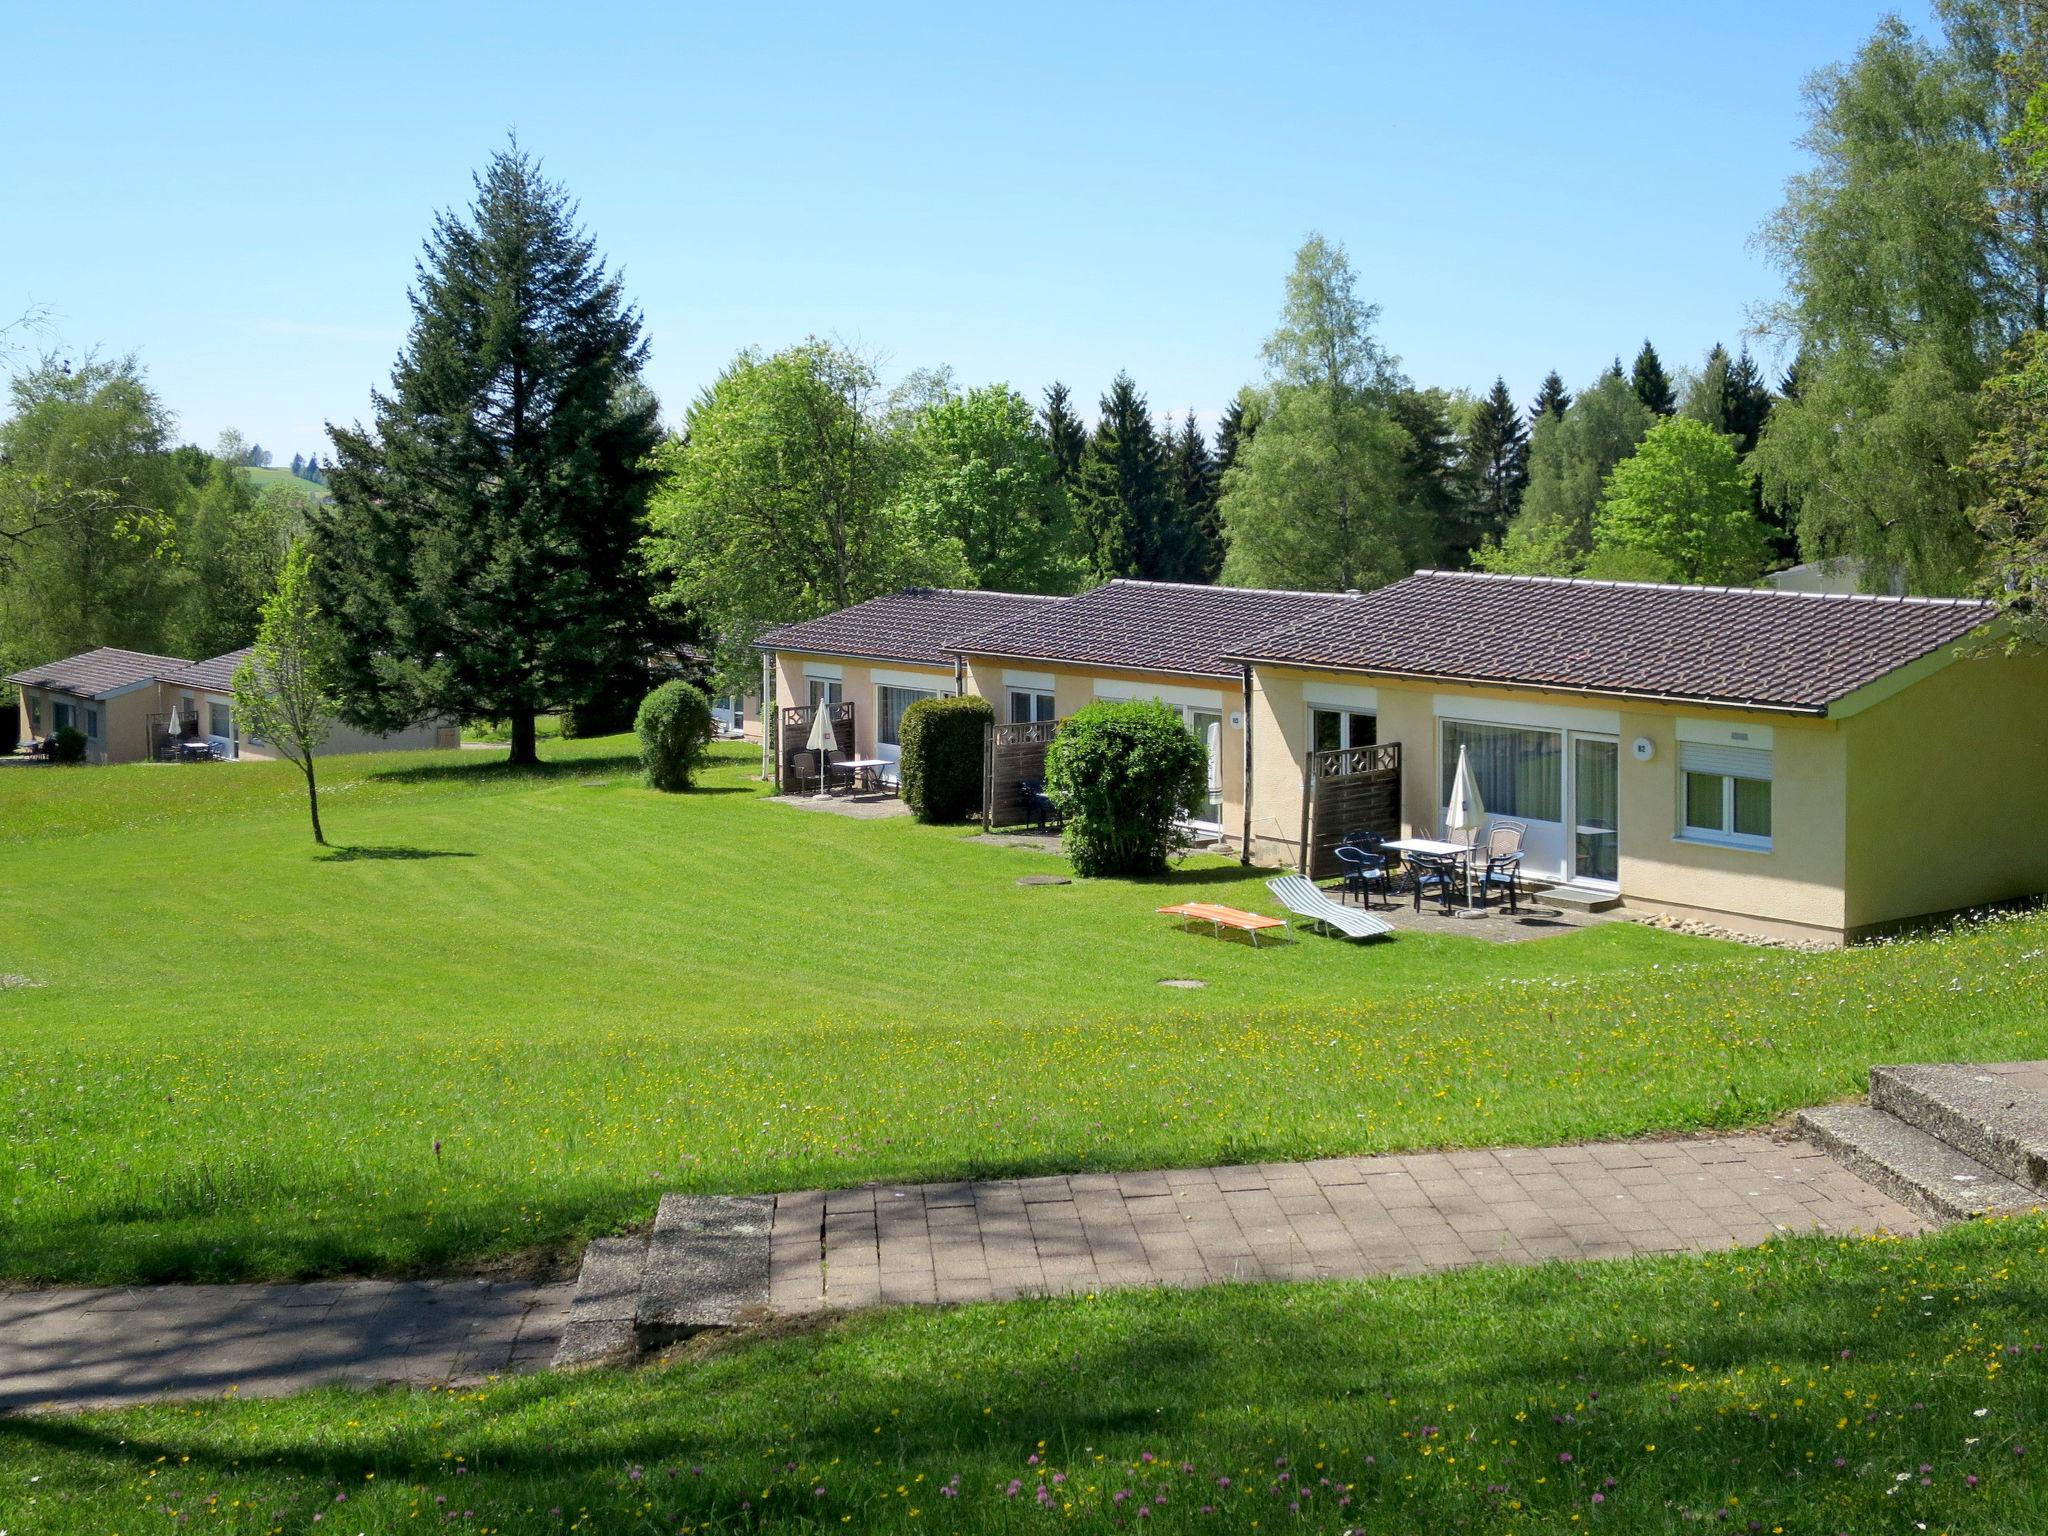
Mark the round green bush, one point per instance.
(69, 745)
(1125, 776)
(943, 740)
(674, 727)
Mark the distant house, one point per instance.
(1800, 764)
(133, 707)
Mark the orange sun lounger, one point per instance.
(1221, 917)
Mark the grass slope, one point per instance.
(520, 1004)
(275, 479)
(1811, 1387)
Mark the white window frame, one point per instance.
(1730, 764)
(1036, 696)
(882, 715)
(1346, 714)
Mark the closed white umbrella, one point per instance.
(822, 742)
(1466, 812)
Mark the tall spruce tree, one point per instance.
(1065, 434)
(1652, 383)
(482, 555)
(1497, 455)
(1196, 480)
(1440, 486)
(1233, 431)
(1553, 399)
(1122, 495)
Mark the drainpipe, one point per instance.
(768, 718)
(1244, 844)
(959, 676)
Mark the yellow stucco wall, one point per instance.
(1794, 887)
(1948, 792)
(857, 681)
(1076, 686)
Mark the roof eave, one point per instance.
(1466, 680)
(1110, 666)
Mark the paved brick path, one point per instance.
(1297, 1221)
(93, 1348)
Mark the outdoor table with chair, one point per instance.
(861, 773)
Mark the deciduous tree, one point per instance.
(1321, 497)
(1679, 509)
(1570, 458)
(284, 690)
(2010, 464)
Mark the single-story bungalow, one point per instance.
(133, 707)
(1797, 764)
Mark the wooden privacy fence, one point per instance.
(1009, 755)
(793, 731)
(1347, 790)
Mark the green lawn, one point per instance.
(518, 1005)
(1808, 1388)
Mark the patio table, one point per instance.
(1439, 848)
(861, 767)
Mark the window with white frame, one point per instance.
(220, 719)
(890, 704)
(1724, 794)
(1030, 704)
(1330, 729)
(824, 690)
(63, 717)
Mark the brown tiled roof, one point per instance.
(216, 673)
(94, 674)
(1722, 645)
(1149, 626)
(918, 624)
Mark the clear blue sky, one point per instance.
(1043, 193)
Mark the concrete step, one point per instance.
(1580, 898)
(707, 1266)
(600, 1325)
(1919, 1170)
(1991, 1119)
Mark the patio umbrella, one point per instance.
(1466, 812)
(822, 742)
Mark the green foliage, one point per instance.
(233, 550)
(1126, 775)
(1915, 251)
(1651, 383)
(1553, 399)
(1497, 461)
(1322, 496)
(674, 727)
(1066, 435)
(778, 501)
(2010, 466)
(89, 493)
(1195, 488)
(284, 690)
(1570, 458)
(1123, 496)
(943, 742)
(68, 745)
(1679, 509)
(482, 555)
(978, 474)
(1233, 430)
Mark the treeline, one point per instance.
(112, 535)
(514, 530)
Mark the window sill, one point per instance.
(1723, 840)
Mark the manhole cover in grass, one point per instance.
(1043, 880)
(593, 783)
(1184, 983)
(9, 980)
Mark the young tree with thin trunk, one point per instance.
(284, 688)
(482, 555)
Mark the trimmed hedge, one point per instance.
(68, 745)
(943, 740)
(674, 727)
(1125, 775)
